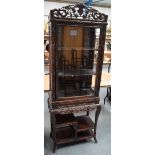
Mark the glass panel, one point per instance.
(76, 59)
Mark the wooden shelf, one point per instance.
(84, 123)
(72, 73)
(77, 48)
(65, 132)
(85, 135)
(64, 120)
(71, 91)
(105, 82)
(65, 135)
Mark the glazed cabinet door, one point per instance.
(76, 61)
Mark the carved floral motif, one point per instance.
(74, 109)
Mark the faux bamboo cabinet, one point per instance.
(74, 60)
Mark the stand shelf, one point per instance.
(70, 128)
(85, 135)
(84, 123)
(64, 120)
(65, 135)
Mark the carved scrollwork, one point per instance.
(78, 11)
(74, 109)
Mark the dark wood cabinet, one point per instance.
(75, 71)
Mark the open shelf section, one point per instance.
(84, 123)
(65, 132)
(85, 135)
(65, 135)
(72, 73)
(64, 120)
(77, 48)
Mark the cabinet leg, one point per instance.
(51, 135)
(104, 100)
(87, 113)
(95, 139)
(53, 130)
(54, 147)
(96, 118)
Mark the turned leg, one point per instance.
(96, 118)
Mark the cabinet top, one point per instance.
(78, 11)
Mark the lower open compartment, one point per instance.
(85, 135)
(80, 128)
(67, 135)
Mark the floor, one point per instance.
(103, 147)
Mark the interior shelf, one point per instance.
(84, 123)
(79, 72)
(77, 48)
(71, 91)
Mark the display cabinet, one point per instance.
(75, 71)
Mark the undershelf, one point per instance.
(84, 123)
(64, 120)
(85, 135)
(66, 135)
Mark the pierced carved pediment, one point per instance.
(78, 11)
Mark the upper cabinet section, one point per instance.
(75, 56)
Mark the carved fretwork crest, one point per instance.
(78, 11)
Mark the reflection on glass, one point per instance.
(76, 59)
